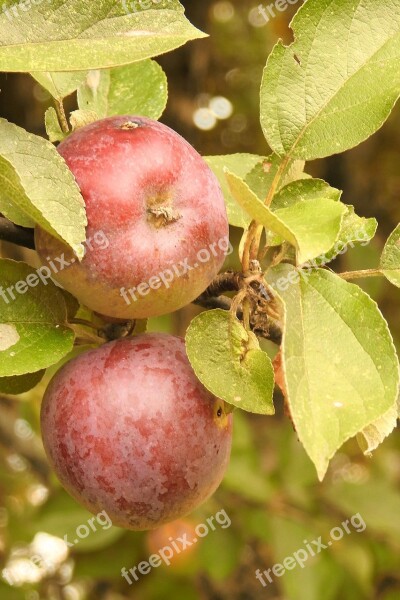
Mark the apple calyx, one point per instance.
(129, 125)
(221, 411)
(162, 216)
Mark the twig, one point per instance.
(213, 297)
(361, 274)
(225, 282)
(21, 236)
(62, 118)
(222, 302)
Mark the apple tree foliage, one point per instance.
(325, 93)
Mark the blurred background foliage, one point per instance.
(270, 493)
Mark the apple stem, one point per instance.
(82, 336)
(116, 331)
(85, 323)
(246, 313)
(251, 245)
(62, 118)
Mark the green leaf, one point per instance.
(258, 172)
(10, 190)
(240, 165)
(354, 230)
(220, 554)
(158, 588)
(390, 260)
(93, 93)
(354, 555)
(60, 85)
(377, 501)
(318, 574)
(255, 208)
(75, 519)
(339, 362)
(310, 226)
(53, 128)
(72, 304)
(374, 434)
(33, 321)
(245, 474)
(80, 118)
(291, 193)
(21, 384)
(304, 191)
(320, 229)
(137, 89)
(41, 185)
(272, 171)
(315, 223)
(9, 593)
(73, 35)
(106, 562)
(229, 362)
(337, 83)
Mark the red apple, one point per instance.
(157, 227)
(129, 429)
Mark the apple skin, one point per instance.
(154, 202)
(129, 429)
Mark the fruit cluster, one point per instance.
(127, 427)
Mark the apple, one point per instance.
(157, 227)
(183, 554)
(129, 429)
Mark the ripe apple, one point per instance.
(129, 429)
(183, 554)
(157, 227)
